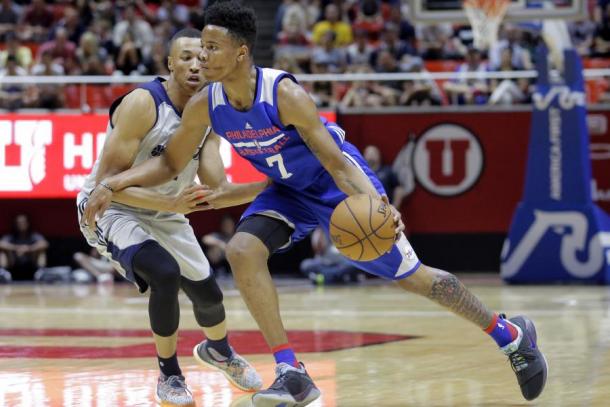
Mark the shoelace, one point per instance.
(519, 359)
(176, 382)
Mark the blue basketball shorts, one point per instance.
(304, 210)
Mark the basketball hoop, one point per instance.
(485, 17)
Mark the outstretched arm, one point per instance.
(157, 170)
(185, 202)
(221, 192)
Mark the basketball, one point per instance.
(362, 228)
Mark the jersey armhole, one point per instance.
(275, 99)
(118, 101)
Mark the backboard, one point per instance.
(520, 10)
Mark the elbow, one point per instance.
(172, 168)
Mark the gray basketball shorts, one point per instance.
(120, 233)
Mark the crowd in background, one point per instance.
(130, 37)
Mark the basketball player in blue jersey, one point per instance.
(144, 233)
(272, 122)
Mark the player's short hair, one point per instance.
(238, 19)
(184, 33)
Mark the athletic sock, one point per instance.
(502, 331)
(285, 354)
(221, 346)
(169, 366)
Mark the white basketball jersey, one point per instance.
(153, 144)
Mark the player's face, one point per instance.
(185, 65)
(221, 53)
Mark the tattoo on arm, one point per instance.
(449, 292)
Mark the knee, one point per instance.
(243, 249)
(157, 267)
(207, 300)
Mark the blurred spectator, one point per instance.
(15, 96)
(9, 17)
(322, 92)
(387, 63)
(420, 92)
(520, 56)
(129, 58)
(295, 17)
(434, 40)
(464, 90)
(172, 12)
(332, 22)
(328, 266)
(13, 47)
(287, 64)
(601, 42)
(582, 33)
(23, 251)
(72, 22)
(157, 65)
(406, 31)
(329, 55)
(215, 245)
(62, 50)
(462, 39)
(359, 53)
(102, 29)
(294, 27)
(393, 44)
(135, 28)
(508, 91)
(38, 19)
(368, 93)
(91, 58)
(293, 39)
(49, 95)
(369, 19)
(95, 265)
(386, 175)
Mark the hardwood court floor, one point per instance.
(371, 345)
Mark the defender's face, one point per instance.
(221, 53)
(185, 64)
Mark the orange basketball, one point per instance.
(362, 228)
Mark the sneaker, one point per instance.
(172, 390)
(292, 388)
(239, 372)
(525, 358)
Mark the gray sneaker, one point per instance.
(292, 388)
(239, 372)
(172, 390)
(526, 359)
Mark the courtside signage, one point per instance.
(49, 156)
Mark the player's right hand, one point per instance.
(99, 200)
(191, 199)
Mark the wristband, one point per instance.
(108, 187)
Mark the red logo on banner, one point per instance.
(448, 160)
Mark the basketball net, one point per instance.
(485, 17)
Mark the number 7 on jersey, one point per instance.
(277, 158)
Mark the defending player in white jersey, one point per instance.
(145, 233)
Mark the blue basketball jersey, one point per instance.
(259, 136)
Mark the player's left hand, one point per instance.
(400, 226)
(214, 198)
(99, 200)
